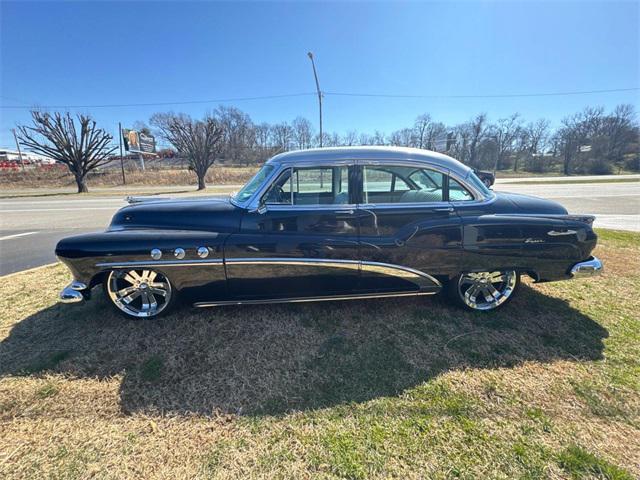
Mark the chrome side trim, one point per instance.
(161, 263)
(373, 267)
(389, 269)
(310, 299)
(397, 271)
(555, 233)
(333, 207)
(588, 268)
(318, 262)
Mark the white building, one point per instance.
(7, 155)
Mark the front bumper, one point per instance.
(588, 268)
(72, 293)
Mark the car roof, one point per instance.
(317, 156)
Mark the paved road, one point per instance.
(31, 226)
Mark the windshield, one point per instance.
(254, 184)
(478, 184)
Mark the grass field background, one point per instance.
(548, 387)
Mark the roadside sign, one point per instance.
(138, 142)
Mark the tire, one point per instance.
(487, 182)
(494, 289)
(139, 293)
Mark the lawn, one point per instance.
(405, 388)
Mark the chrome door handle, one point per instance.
(344, 212)
(443, 209)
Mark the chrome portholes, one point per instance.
(203, 252)
(179, 253)
(156, 254)
(486, 290)
(139, 293)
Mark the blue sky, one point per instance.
(89, 53)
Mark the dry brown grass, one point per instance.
(42, 178)
(407, 388)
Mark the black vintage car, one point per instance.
(332, 224)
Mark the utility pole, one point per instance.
(124, 180)
(18, 147)
(319, 93)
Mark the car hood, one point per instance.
(528, 204)
(204, 213)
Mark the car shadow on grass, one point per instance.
(273, 359)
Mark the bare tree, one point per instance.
(532, 141)
(238, 133)
(282, 134)
(262, 134)
(56, 136)
(365, 139)
(421, 127)
(619, 133)
(477, 129)
(378, 138)
(332, 140)
(403, 138)
(505, 132)
(302, 133)
(435, 136)
(350, 138)
(198, 140)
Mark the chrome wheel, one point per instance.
(486, 290)
(139, 293)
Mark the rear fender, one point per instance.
(91, 256)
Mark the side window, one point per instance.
(280, 191)
(310, 186)
(457, 192)
(396, 184)
(383, 180)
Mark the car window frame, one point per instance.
(355, 185)
(350, 164)
(381, 164)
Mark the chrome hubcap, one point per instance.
(486, 290)
(139, 293)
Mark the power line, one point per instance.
(506, 95)
(158, 104)
(338, 94)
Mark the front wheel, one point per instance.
(139, 293)
(482, 291)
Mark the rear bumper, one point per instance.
(588, 268)
(72, 293)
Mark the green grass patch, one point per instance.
(47, 390)
(399, 388)
(581, 464)
(601, 401)
(619, 237)
(47, 362)
(151, 369)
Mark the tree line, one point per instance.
(592, 141)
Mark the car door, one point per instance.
(407, 224)
(302, 241)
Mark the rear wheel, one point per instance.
(482, 291)
(139, 293)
